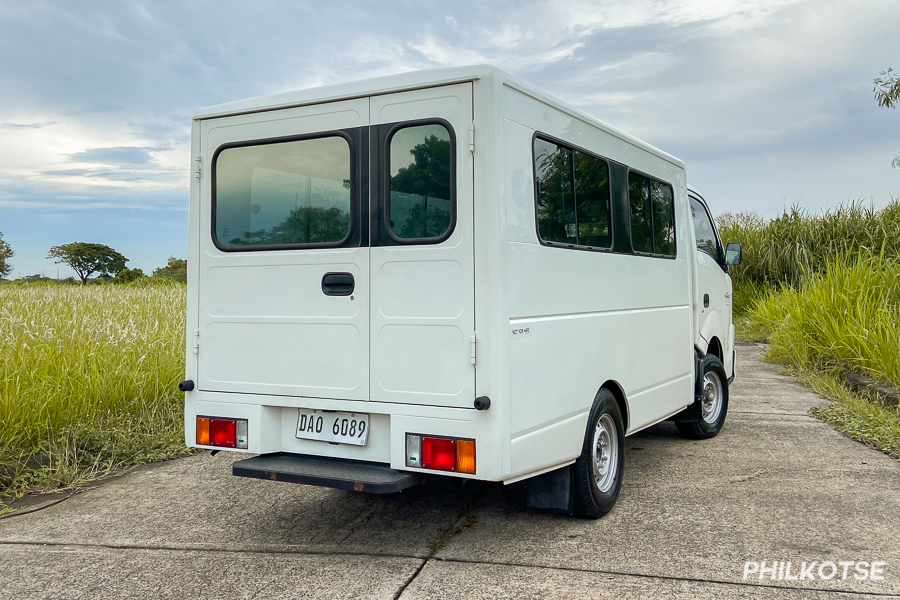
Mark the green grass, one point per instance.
(824, 291)
(88, 381)
(799, 243)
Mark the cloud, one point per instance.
(120, 155)
(26, 125)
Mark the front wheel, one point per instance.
(598, 471)
(712, 388)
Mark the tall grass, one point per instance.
(88, 380)
(799, 243)
(824, 290)
(846, 318)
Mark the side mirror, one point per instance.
(733, 254)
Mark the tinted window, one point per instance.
(555, 200)
(703, 229)
(421, 169)
(652, 215)
(663, 218)
(592, 200)
(641, 224)
(572, 196)
(283, 194)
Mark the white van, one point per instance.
(448, 273)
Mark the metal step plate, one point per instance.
(359, 476)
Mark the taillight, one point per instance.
(202, 431)
(440, 453)
(465, 456)
(222, 432)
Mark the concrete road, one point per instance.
(775, 485)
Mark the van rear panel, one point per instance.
(335, 259)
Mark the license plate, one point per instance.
(334, 427)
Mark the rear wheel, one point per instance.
(598, 471)
(712, 389)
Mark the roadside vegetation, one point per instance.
(88, 378)
(824, 291)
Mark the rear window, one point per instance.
(420, 206)
(652, 215)
(284, 194)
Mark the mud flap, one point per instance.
(692, 414)
(553, 491)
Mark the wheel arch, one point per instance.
(715, 347)
(617, 391)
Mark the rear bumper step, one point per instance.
(359, 476)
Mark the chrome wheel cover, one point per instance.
(605, 453)
(712, 397)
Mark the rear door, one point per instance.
(284, 257)
(422, 255)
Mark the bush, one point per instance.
(175, 269)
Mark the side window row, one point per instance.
(574, 203)
(303, 192)
(572, 196)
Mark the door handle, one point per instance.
(338, 284)
(705, 300)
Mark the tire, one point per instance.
(598, 471)
(712, 391)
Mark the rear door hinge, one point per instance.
(198, 166)
(472, 349)
(196, 341)
(472, 138)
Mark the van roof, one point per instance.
(408, 81)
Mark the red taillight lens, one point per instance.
(222, 433)
(439, 454)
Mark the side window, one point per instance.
(573, 196)
(703, 230)
(652, 205)
(421, 162)
(641, 224)
(555, 199)
(283, 194)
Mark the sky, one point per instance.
(769, 102)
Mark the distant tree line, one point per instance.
(94, 264)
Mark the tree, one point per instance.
(887, 93)
(5, 254)
(87, 259)
(34, 278)
(127, 275)
(175, 269)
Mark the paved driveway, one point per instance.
(775, 485)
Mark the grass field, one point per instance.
(824, 291)
(88, 381)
